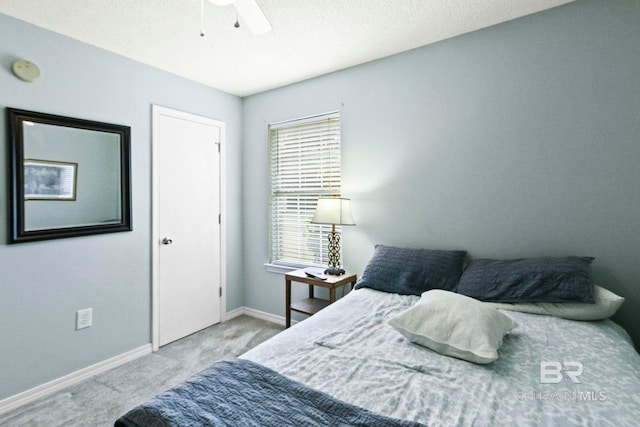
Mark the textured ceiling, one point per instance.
(309, 37)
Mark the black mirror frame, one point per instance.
(17, 232)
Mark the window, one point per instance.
(305, 165)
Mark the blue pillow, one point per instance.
(529, 280)
(408, 271)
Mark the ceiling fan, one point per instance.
(251, 15)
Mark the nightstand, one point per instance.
(312, 305)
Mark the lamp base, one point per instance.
(334, 271)
(334, 249)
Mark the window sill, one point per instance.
(286, 268)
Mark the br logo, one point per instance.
(553, 372)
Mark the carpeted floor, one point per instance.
(100, 400)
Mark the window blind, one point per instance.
(305, 164)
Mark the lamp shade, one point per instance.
(333, 210)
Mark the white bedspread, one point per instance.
(349, 351)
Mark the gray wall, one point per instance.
(519, 140)
(43, 284)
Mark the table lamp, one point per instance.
(333, 211)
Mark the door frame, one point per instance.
(158, 111)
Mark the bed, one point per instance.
(546, 371)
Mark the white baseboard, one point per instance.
(263, 315)
(80, 375)
(234, 313)
(12, 402)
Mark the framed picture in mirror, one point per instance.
(49, 180)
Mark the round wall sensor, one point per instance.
(25, 70)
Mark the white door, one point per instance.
(187, 229)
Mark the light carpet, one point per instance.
(100, 400)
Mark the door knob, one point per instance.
(167, 241)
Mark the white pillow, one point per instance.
(606, 304)
(454, 325)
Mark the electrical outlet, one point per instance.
(84, 318)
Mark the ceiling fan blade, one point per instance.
(252, 16)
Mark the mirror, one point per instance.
(69, 177)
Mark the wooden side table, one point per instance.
(312, 305)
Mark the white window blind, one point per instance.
(305, 165)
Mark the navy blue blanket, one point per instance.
(244, 393)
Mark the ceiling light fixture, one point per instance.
(251, 15)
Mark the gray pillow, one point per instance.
(407, 271)
(529, 280)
